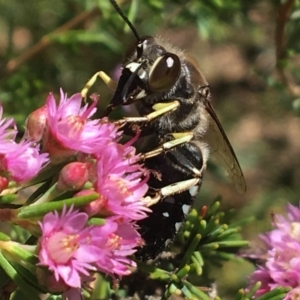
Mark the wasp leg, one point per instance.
(112, 85)
(179, 138)
(159, 110)
(172, 189)
(177, 159)
(172, 194)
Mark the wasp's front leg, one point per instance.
(112, 85)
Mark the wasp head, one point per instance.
(149, 69)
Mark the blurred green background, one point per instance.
(248, 51)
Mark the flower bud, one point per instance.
(3, 183)
(47, 280)
(35, 124)
(73, 176)
(97, 207)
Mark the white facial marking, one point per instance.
(166, 214)
(141, 94)
(186, 208)
(132, 66)
(178, 225)
(142, 73)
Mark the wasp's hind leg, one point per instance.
(112, 85)
(173, 193)
(178, 165)
(178, 153)
(172, 189)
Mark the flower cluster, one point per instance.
(94, 161)
(71, 248)
(282, 261)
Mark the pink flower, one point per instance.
(121, 239)
(121, 181)
(23, 161)
(70, 128)
(73, 250)
(8, 130)
(282, 265)
(18, 162)
(72, 294)
(65, 246)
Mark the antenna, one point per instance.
(120, 12)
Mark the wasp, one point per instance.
(173, 100)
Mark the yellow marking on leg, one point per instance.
(180, 138)
(112, 85)
(172, 189)
(178, 187)
(163, 109)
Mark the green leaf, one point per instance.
(160, 274)
(173, 289)
(191, 248)
(197, 262)
(276, 294)
(253, 290)
(183, 271)
(196, 291)
(4, 237)
(187, 293)
(29, 277)
(30, 292)
(215, 233)
(8, 198)
(241, 295)
(229, 243)
(227, 233)
(39, 210)
(3, 279)
(210, 246)
(96, 221)
(213, 209)
(17, 251)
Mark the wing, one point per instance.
(221, 148)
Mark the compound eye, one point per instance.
(164, 72)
